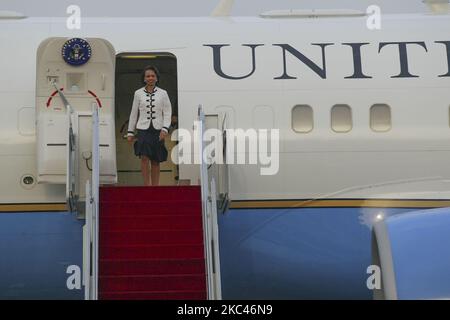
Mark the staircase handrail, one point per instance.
(215, 255)
(95, 195)
(209, 217)
(87, 245)
(71, 153)
(91, 228)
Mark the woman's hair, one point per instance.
(154, 69)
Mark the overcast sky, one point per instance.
(166, 8)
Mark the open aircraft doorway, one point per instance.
(129, 68)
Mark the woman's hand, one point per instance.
(131, 140)
(162, 135)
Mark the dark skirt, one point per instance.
(148, 144)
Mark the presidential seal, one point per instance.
(76, 51)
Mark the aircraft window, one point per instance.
(341, 118)
(302, 118)
(380, 118)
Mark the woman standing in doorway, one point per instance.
(151, 114)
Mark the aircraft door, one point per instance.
(83, 71)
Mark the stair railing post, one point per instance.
(69, 160)
(71, 173)
(71, 153)
(205, 204)
(217, 284)
(95, 195)
(87, 245)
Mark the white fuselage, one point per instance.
(409, 161)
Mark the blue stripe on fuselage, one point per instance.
(36, 248)
(297, 253)
(291, 253)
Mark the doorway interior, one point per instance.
(128, 77)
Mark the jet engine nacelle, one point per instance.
(413, 252)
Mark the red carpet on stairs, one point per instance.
(151, 243)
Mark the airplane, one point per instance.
(363, 121)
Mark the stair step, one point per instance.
(154, 295)
(152, 252)
(120, 208)
(147, 283)
(151, 266)
(152, 222)
(131, 193)
(150, 237)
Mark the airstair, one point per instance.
(149, 242)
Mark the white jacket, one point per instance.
(150, 107)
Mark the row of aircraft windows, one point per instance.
(341, 118)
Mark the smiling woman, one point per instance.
(152, 105)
